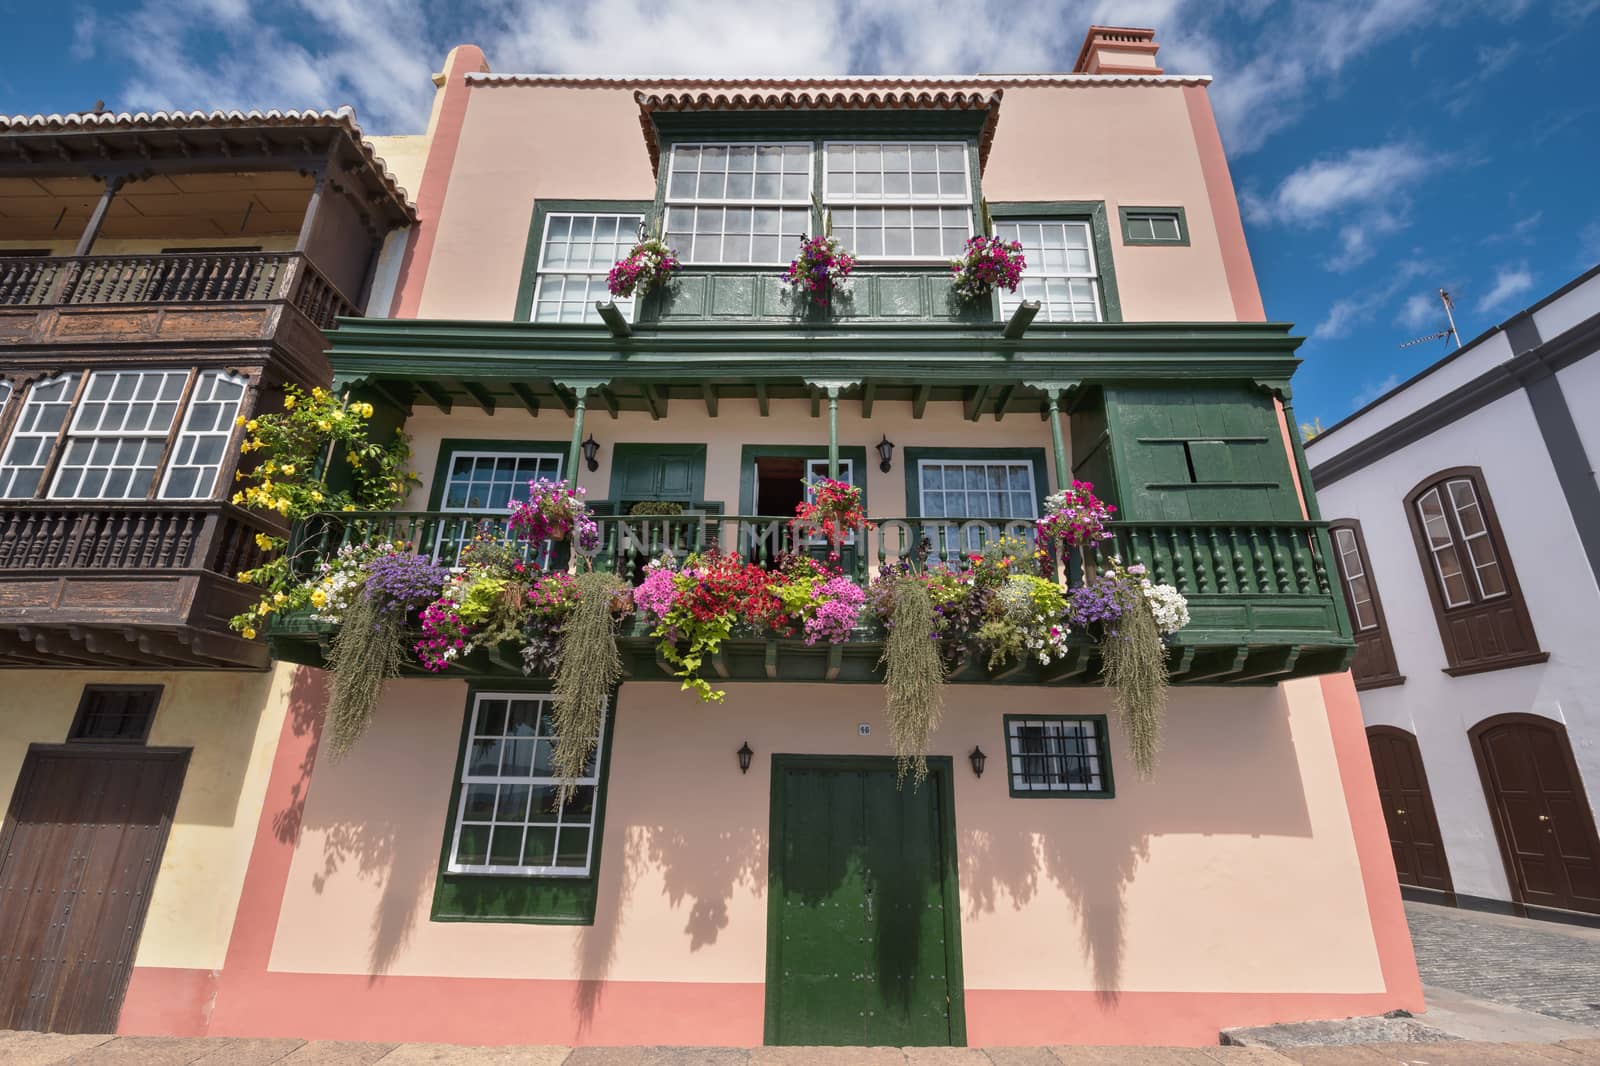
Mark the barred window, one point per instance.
(737, 203)
(1062, 274)
(1058, 756)
(885, 198)
(509, 818)
(203, 442)
(44, 411)
(118, 434)
(575, 255)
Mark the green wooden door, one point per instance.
(658, 472)
(863, 947)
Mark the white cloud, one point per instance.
(1373, 389)
(1589, 242)
(1358, 240)
(1509, 284)
(1420, 309)
(84, 25)
(1359, 307)
(1359, 177)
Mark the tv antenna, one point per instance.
(1450, 331)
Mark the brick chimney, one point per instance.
(1118, 50)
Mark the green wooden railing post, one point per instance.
(1058, 440)
(577, 439)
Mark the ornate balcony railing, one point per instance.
(115, 537)
(173, 278)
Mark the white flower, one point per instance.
(1167, 604)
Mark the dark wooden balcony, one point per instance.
(1261, 603)
(172, 298)
(119, 585)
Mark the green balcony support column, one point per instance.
(1054, 393)
(833, 390)
(580, 389)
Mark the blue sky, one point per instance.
(1382, 148)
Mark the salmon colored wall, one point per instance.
(738, 423)
(1124, 144)
(231, 721)
(1244, 824)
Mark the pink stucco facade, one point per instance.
(1248, 882)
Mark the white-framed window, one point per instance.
(909, 200)
(999, 490)
(1062, 273)
(479, 481)
(576, 253)
(1054, 755)
(203, 441)
(5, 396)
(117, 435)
(1356, 580)
(738, 203)
(44, 410)
(1153, 227)
(509, 818)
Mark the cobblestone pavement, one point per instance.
(42, 1049)
(1538, 966)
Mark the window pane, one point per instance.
(1055, 755)
(508, 818)
(207, 428)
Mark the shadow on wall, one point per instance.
(387, 832)
(308, 697)
(1240, 776)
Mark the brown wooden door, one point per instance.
(78, 855)
(1541, 815)
(1414, 838)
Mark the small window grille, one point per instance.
(115, 714)
(1058, 756)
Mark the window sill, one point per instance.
(1507, 663)
(1380, 681)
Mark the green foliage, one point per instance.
(366, 651)
(1136, 672)
(914, 676)
(656, 508)
(589, 670)
(293, 481)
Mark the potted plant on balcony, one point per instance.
(913, 662)
(821, 264)
(552, 511)
(832, 510)
(650, 264)
(987, 263)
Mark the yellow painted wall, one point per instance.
(232, 722)
(403, 155)
(1224, 873)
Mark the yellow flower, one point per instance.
(349, 507)
(263, 542)
(338, 416)
(288, 403)
(324, 425)
(237, 476)
(288, 469)
(319, 598)
(248, 633)
(316, 497)
(239, 421)
(243, 575)
(364, 410)
(279, 598)
(252, 425)
(281, 506)
(318, 393)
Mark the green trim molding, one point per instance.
(1108, 789)
(941, 774)
(526, 900)
(1090, 211)
(751, 452)
(912, 455)
(451, 445)
(1123, 213)
(541, 210)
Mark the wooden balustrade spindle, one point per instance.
(1258, 559)
(1201, 573)
(1297, 554)
(1279, 569)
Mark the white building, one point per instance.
(1466, 516)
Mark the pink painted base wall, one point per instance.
(1190, 963)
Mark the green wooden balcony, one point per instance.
(1261, 600)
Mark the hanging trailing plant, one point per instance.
(914, 672)
(590, 667)
(987, 263)
(832, 510)
(368, 648)
(1132, 615)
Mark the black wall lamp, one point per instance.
(591, 448)
(885, 453)
(978, 760)
(744, 754)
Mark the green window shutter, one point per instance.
(657, 472)
(1207, 454)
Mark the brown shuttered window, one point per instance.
(119, 714)
(1374, 665)
(1483, 620)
